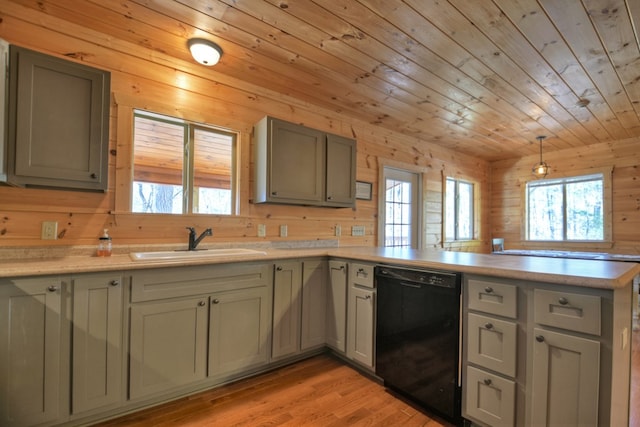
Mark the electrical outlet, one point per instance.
(357, 230)
(338, 230)
(283, 231)
(262, 230)
(49, 230)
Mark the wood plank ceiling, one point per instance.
(483, 77)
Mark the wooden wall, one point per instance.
(149, 79)
(509, 177)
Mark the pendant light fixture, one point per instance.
(204, 51)
(541, 169)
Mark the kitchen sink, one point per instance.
(197, 254)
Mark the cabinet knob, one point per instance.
(540, 338)
(94, 176)
(201, 303)
(488, 326)
(278, 268)
(215, 301)
(52, 288)
(487, 381)
(114, 282)
(488, 289)
(274, 193)
(563, 301)
(367, 297)
(329, 197)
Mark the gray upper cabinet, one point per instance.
(58, 122)
(299, 165)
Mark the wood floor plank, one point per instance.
(320, 391)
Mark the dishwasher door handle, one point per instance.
(411, 285)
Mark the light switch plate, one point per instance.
(338, 230)
(49, 230)
(283, 231)
(262, 230)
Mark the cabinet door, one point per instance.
(97, 341)
(565, 380)
(58, 122)
(296, 163)
(239, 324)
(341, 171)
(360, 336)
(337, 306)
(314, 297)
(168, 345)
(287, 285)
(32, 353)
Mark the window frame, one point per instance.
(567, 177)
(475, 220)
(126, 110)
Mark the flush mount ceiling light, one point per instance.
(541, 169)
(204, 51)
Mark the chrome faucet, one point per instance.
(193, 241)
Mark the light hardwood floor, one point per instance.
(321, 391)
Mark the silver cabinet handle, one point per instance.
(201, 303)
(540, 338)
(563, 301)
(114, 282)
(487, 381)
(488, 289)
(52, 288)
(215, 301)
(488, 326)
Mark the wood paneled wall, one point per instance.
(509, 177)
(152, 80)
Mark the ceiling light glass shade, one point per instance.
(204, 51)
(540, 169)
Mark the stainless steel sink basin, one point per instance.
(199, 254)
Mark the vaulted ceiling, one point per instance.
(483, 77)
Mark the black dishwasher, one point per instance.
(418, 338)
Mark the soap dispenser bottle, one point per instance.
(104, 244)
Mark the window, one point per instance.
(400, 220)
(181, 167)
(459, 210)
(566, 209)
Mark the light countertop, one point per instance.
(577, 272)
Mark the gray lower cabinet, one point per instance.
(287, 287)
(239, 323)
(168, 345)
(337, 306)
(97, 341)
(314, 296)
(197, 324)
(543, 354)
(361, 314)
(565, 380)
(58, 127)
(34, 351)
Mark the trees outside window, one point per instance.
(566, 209)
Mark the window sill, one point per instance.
(555, 245)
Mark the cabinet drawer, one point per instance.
(494, 298)
(186, 281)
(567, 310)
(492, 343)
(489, 398)
(361, 274)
